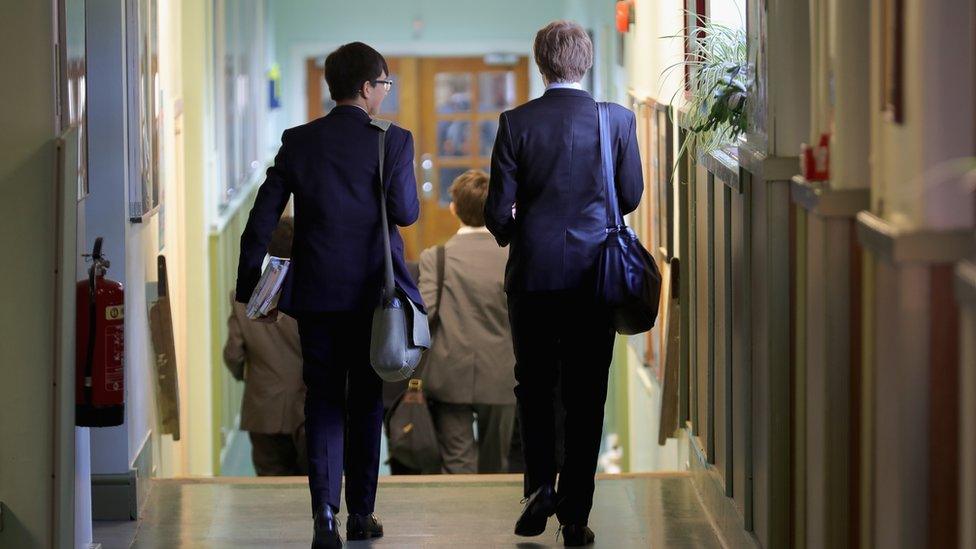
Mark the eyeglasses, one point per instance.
(387, 84)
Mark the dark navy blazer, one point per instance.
(330, 166)
(546, 162)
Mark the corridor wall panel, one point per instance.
(965, 286)
(722, 402)
(771, 240)
(742, 328)
(685, 278)
(692, 306)
(703, 327)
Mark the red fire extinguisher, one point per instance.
(100, 347)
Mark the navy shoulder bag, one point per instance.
(628, 279)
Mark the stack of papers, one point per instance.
(265, 296)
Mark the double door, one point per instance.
(452, 105)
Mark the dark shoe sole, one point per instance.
(536, 525)
(334, 544)
(578, 543)
(359, 536)
(578, 539)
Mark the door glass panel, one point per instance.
(454, 138)
(488, 129)
(496, 91)
(452, 92)
(447, 177)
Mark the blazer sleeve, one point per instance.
(502, 186)
(428, 280)
(234, 352)
(402, 203)
(629, 173)
(261, 222)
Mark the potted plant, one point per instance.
(718, 83)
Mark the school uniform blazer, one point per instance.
(471, 360)
(330, 166)
(546, 162)
(268, 358)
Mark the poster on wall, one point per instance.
(72, 82)
(144, 99)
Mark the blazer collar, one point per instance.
(473, 236)
(564, 92)
(350, 110)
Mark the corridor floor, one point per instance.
(648, 510)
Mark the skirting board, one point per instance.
(721, 511)
(120, 496)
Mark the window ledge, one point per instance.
(724, 164)
(241, 197)
(765, 167)
(898, 245)
(820, 199)
(966, 282)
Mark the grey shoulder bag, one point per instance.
(400, 333)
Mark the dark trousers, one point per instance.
(278, 454)
(343, 410)
(563, 341)
(461, 452)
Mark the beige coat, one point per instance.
(269, 357)
(471, 360)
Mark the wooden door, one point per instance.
(461, 100)
(451, 105)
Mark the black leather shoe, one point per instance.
(326, 530)
(575, 535)
(538, 508)
(363, 527)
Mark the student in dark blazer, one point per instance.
(547, 200)
(330, 167)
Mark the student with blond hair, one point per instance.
(547, 200)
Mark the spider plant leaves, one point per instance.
(718, 83)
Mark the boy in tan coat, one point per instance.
(267, 357)
(469, 374)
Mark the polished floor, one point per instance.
(652, 510)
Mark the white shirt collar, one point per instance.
(565, 85)
(472, 230)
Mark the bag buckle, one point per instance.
(415, 383)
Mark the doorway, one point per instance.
(452, 105)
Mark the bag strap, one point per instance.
(435, 319)
(441, 252)
(389, 285)
(614, 219)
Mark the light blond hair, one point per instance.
(563, 51)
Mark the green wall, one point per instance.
(223, 248)
(447, 25)
(27, 282)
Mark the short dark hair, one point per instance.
(349, 66)
(281, 238)
(563, 51)
(469, 193)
